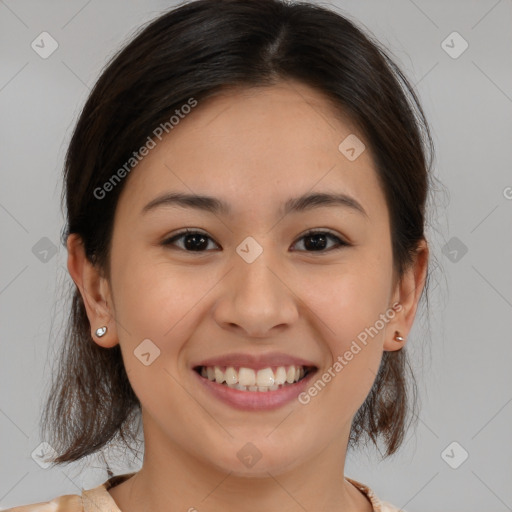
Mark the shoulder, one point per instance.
(377, 504)
(96, 499)
(67, 503)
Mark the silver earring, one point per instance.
(101, 331)
(398, 337)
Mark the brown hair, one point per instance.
(194, 51)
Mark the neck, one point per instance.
(174, 480)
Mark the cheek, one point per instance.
(350, 309)
(351, 300)
(157, 300)
(349, 297)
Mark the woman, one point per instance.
(245, 193)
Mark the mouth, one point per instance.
(254, 382)
(250, 380)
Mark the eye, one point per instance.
(318, 240)
(194, 241)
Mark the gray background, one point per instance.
(463, 368)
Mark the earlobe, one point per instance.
(398, 338)
(91, 286)
(407, 295)
(394, 338)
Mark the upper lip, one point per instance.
(256, 362)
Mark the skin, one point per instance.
(253, 148)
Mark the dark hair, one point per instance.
(195, 51)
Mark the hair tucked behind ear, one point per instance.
(195, 51)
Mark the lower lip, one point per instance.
(255, 400)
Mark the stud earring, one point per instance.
(398, 337)
(101, 331)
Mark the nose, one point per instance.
(256, 299)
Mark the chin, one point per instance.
(248, 461)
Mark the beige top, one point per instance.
(99, 500)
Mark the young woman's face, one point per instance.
(251, 290)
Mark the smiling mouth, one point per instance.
(248, 379)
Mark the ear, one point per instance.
(406, 296)
(95, 291)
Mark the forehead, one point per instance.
(257, 146)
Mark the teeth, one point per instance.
(265, 377)
(231, 376)
(246, 376)
(219, 375)
(247, 379)
(280, 377)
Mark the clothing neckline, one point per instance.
(100, 498)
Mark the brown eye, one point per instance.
(313, 241)
(317, 241)
(193, 241)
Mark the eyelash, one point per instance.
(340, 243)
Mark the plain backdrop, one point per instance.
(460, 455)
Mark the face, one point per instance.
(265, 282)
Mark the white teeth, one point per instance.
(247, 379)
(265, 377)
(219, 375)
(231, 376)
(290, 375)
(280, 377)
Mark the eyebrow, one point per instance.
(217, 206)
